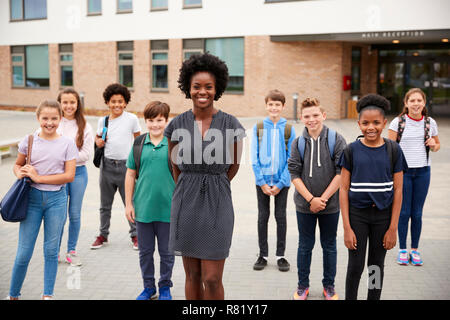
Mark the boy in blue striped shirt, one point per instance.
(370, 196)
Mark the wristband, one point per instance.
(311, 199)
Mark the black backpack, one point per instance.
(138, 145)
(392, 150)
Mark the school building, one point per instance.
(334, 50)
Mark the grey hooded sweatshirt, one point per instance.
(317, 169)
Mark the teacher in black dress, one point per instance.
(205, 146)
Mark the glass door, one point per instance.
(440, 89)
(390, 84)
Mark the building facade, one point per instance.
(334, 50)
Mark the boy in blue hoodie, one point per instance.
(271, 148)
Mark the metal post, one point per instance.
(295, 97)
(82, 99)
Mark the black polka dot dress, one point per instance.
(202, 215)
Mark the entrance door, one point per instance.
(439, 88)
(429, 70)
(391, 84)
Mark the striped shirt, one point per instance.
(412, 142)
(371, 181)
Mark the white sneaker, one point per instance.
(73, 259)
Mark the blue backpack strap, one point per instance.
(331, 141)
(301, 146)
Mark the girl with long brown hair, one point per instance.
(417, 134)
(74, 125)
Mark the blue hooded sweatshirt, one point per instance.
(269, 160)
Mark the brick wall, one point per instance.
(312, 69)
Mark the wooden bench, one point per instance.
(9, 148)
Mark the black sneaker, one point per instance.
(283, 265)
(260, 263)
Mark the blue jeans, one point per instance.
(49, 206)
(307, 236)
(75, 194)
(147, 233)
(415, 189)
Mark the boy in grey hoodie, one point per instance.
(315, 173)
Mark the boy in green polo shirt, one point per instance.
(148, 201)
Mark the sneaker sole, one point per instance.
(296, 295)
(284, 269)
(74, 264)
(258, 268)
(98, 247)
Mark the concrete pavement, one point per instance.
(113, 272)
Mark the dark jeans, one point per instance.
(263, 219)
(112, 177)
(147, 233)
(368, 223)
(415, 189)
(328, 224)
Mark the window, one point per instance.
(28, 9)
(94, 7)
(66, 63)
(125, 58)
(158, 5)
(124, 6)
(356, 70)
(191, 47)
(30, 66)
(192, 4)
(230, 50)
(160, 64)
(18, 66)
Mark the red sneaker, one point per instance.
(98, 243)
(135, 243)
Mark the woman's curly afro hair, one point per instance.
(373, 100)
(116, 88)
(203, 63)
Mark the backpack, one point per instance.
(138, 145)
(260, 130)
(331, 143)
(426, 125)
(392, 150)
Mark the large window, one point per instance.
(192, 4)
(356, 70)
(94, 7)
(30, 66)
(124, 6)
(125, 58)
(230, 50)
(66, 63)
(28, 9)
(160, 64)
(156, 5)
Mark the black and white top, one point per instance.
(412, 142)
(371, 177)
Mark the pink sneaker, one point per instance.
(416, 260)
(73, 259)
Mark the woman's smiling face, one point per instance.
(203, 89)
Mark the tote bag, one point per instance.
(14, 204)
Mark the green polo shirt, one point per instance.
(154, 188)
